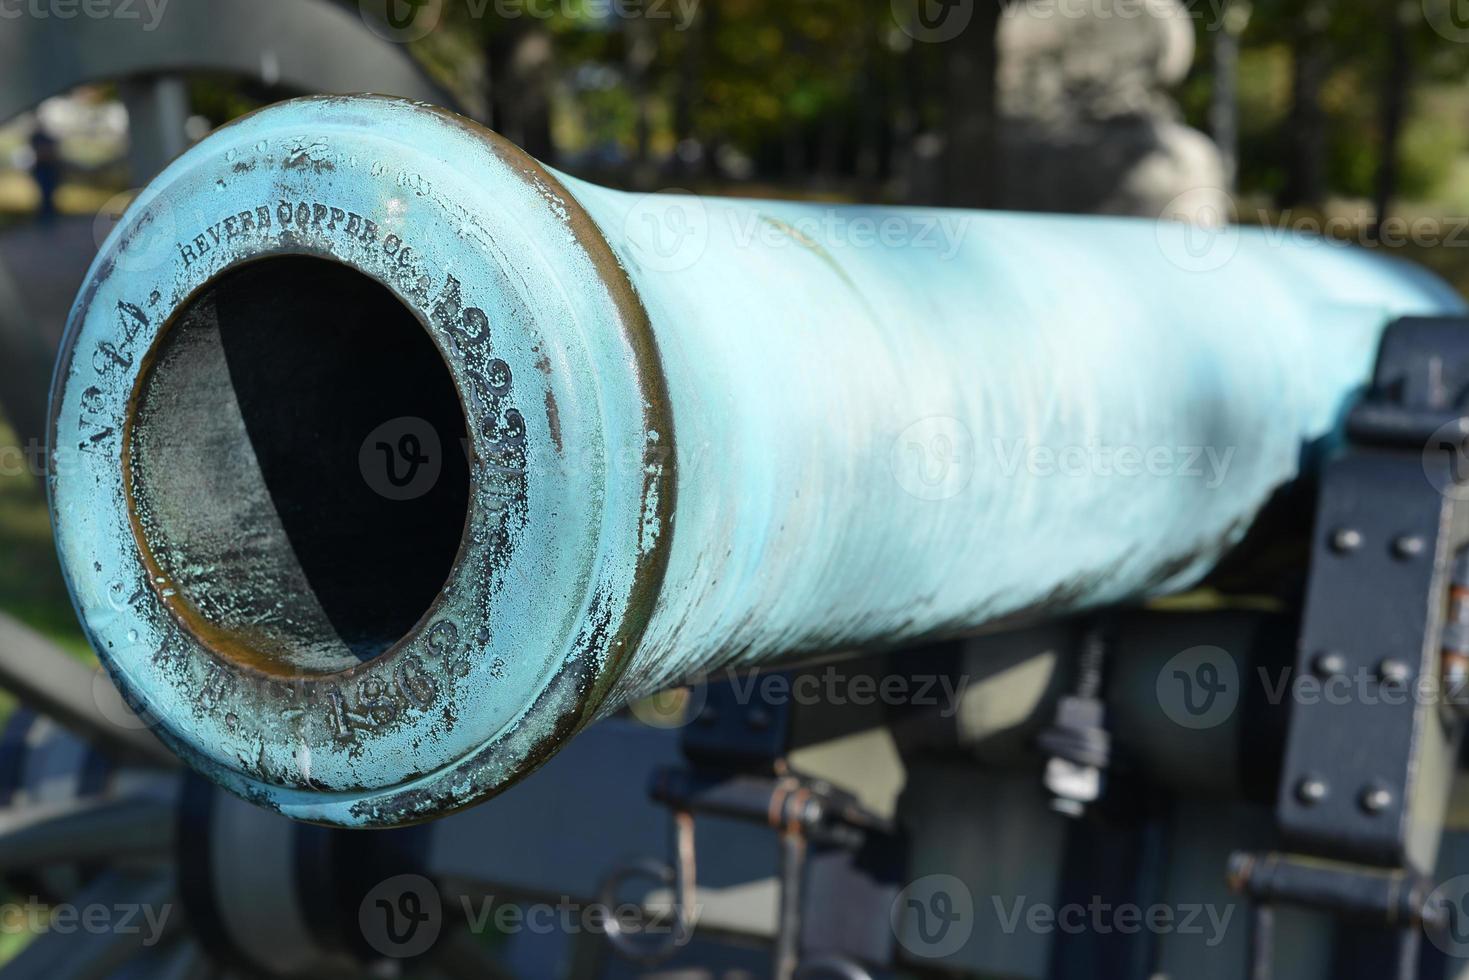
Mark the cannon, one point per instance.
(385, 459)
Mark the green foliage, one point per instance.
(759, 76)
(1264, 107)
(1435, 147)
(1354, 40)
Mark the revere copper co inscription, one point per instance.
(308, 217)
(413, 681)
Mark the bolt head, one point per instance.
(1409, 546)
(1393, 673)
(1376, 799)
(1345, 540)
(1069, 781)
(1329, 663)
(1311, 790)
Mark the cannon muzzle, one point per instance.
(384, 459)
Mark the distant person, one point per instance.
(46, 170)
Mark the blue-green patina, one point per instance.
(750, 430)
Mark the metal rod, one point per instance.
(55, 683)
(787, 951)
(86, 829)
(1262, 943)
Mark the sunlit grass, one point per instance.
(31, 586)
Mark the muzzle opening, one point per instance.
(297, 464)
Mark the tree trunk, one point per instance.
(642, 49)
(795, 127)
(1394, 110)
(1224, 106)
(872, 111)
(831, 149)
(906, 123)
(691, 153)
(518, 53)
(1305, 182)
(793, 150)
(971, 125)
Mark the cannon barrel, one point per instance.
(384, 458)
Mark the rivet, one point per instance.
(1376, 799)
(1329, 663)
(1408, 546)
(1394, 673)
(1346, 540)
(1311, 790)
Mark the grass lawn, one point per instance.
(31, 586)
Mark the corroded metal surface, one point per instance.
(697, 433)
